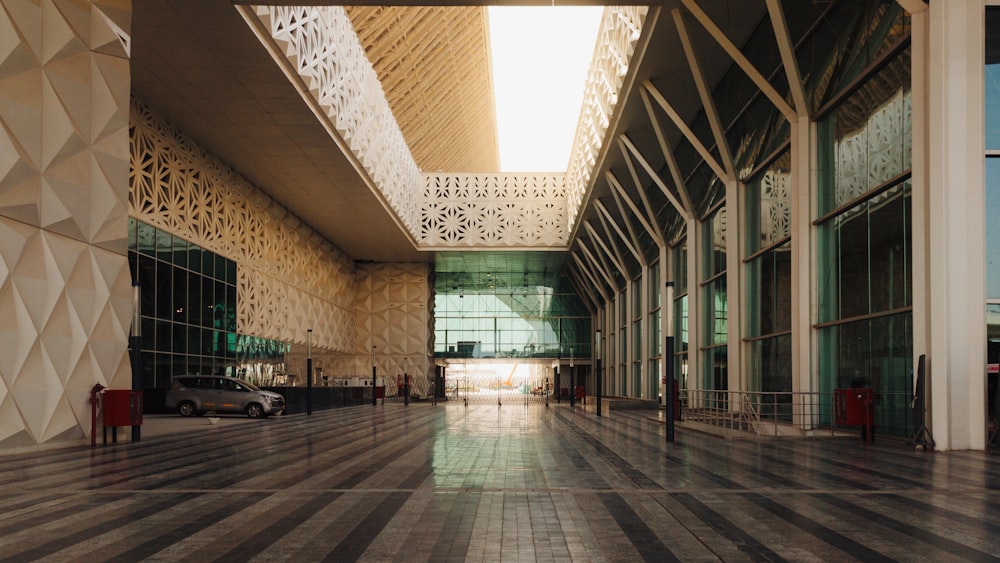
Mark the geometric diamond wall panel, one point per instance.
(65, 290)
(394, 315)
(289, 279)
(65, 310)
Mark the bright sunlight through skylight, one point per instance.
(541, 55)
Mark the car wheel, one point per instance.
(186, 408)
(255, 411)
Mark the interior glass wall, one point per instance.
(505, 309)
(864, 241)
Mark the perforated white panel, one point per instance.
(876, 151)
(619, 30)
(493, 210)
(327, 55)
(325, 52)
(289, 278)
(775, 200)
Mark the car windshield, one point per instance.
(249, 385)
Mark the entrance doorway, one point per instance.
(498, 382)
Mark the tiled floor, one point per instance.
(482, 483)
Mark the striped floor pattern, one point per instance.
(488, 483)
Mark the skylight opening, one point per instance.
(540, 57)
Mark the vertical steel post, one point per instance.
(668, 362)
(309, 371)
(135, 342)
(374, 378)
(597, 364)
(572, 380)
(557, 376)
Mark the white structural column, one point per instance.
(805, 375)
(696, 379)
(920, 88)
(734, 235)
(956, 199)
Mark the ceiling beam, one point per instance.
(611, 256)
(668, 155)
(685, 130)
(625, 218)
(590, 275)
(616, 185)
(734, 52)
(611, 239)
(602, 213)
(656, 177)
(707, 103)
(582, 289)
(601, 269)
(641, 190)
(788, 59)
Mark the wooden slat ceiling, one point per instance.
(434, 66)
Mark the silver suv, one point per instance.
(198, 394)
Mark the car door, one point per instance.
(208, 392)
(232, 395)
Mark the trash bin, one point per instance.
(122, 407)
(855, 406)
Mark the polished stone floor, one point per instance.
(488, 483)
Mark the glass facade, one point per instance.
(680, 329)
(655, 333)
(502, 312)
(864, 242)
(993, 227)
(636, 357)
(714, 289)
(188, 304)
(769, 278)
(992, 96)
(991, 79)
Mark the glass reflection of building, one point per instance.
(189, 310)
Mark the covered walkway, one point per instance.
(515, 483)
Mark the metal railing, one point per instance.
(776, 414)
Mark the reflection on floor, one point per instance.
(488, 483)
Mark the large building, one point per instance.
(797, 196)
